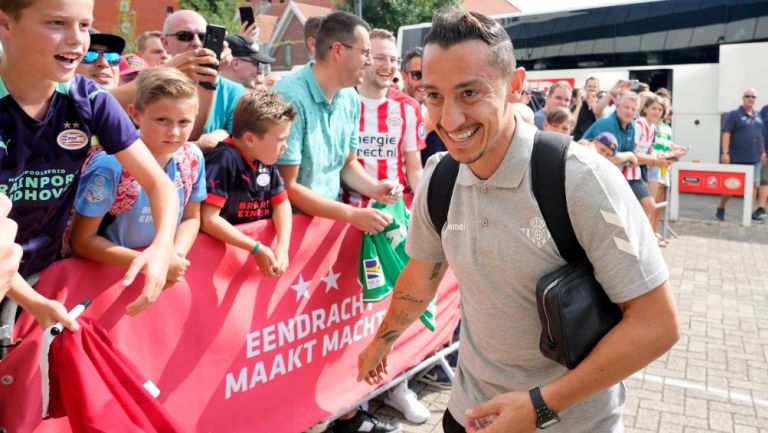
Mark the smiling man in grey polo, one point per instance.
(497, 244)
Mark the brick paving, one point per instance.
(715, 379)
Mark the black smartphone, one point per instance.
(246, 15)
(214, 41)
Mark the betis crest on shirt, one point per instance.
(383, 257)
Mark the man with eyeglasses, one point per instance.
(248, 63)
(101, 62)
(743, 143)
(322, 147)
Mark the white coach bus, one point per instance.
(707, 52)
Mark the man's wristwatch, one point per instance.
(545, 417)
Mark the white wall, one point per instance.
(696, 120)
(742, 66)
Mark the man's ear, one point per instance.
(5, 23)
(517, 84)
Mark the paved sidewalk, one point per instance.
(715, 379)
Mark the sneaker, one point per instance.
(364, 422)
(760, 212)
(757, 217)
(437, 377)
(404, 400)
(720, 214)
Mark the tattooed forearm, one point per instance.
(401, 317)
(408, 298)
(436, 270)
(387, 335)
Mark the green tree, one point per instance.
(220, 12)
(391, 14)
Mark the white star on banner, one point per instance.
(301, 288)
(331, 281)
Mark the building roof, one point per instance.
(267, 24)
(301, 11)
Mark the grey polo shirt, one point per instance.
(495, 241)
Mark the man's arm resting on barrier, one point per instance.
(366, 219)
(647, 330)
(354, 176)
(46, 311)
(414, 290)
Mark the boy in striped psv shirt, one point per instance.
(392, 131)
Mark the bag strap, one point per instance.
(550, 151)
(440, 191)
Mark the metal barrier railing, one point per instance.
(437, 359)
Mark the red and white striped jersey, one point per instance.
(389, 127)
(645, 136)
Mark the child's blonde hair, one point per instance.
(162, 82)
(256, 112)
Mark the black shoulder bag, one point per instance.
(574, 310)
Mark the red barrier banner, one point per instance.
(232, 351)
(711, 182)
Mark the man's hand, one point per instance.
(194, 64)
(154, 263)
(250, 31)
(10, 252)
(591, 99)
(372, 364)
(763, 159)
(513, 412)
(370, 220)
(725, 158)
(662, 162)
(387, 191)
(265, 259)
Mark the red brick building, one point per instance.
(129, 18)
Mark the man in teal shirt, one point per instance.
(323, 140)
(322, 147)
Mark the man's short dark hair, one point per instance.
(337, 27)
(311, 26)
(413, 53)
(451, 26)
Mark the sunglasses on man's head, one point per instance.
(92, 56)
(416, 75)
(185, 36)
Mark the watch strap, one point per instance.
(545, 417)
